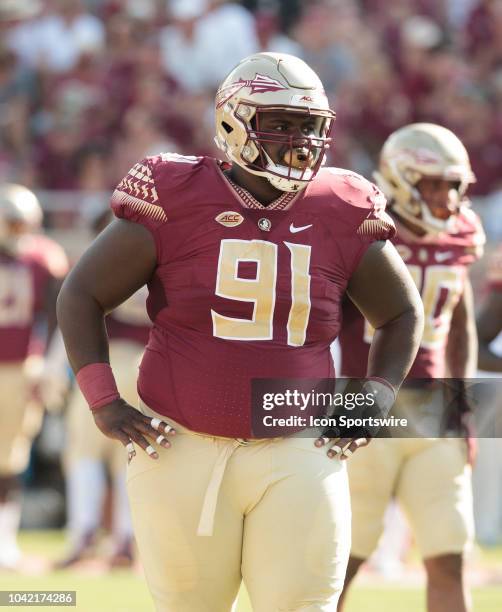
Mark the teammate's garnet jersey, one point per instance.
(130, 321)
(242, 291)
(24, 280)
(439, 267)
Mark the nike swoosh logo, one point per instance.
(295, 230)
(443, 256)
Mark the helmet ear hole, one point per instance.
(227, 127)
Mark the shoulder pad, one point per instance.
(360, 202)
(144, 193)
(471, 229)
(354, 189)
(471, 222)
(171, 170)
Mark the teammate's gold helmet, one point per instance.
(18, 207)
(271, 82)
(416, 151)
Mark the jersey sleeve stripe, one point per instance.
(154, 211)
(376, 227)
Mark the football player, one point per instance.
(246, 263)
(489, 319)
(424, 171)
(488, 472)
(88, 452)
(31, 269)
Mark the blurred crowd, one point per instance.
(88, 87)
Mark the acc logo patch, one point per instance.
(404, 251)
(229, 218)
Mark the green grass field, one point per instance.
(125, 591)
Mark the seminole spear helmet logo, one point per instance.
(260, 84)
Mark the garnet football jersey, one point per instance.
(24, 280)
(242, 291)
(439, 266)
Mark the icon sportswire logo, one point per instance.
(295, 230)
(260, 84)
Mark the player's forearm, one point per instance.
(462, 347)
(462, 352)
(82, 323)
(395, 345)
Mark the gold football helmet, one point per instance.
(272, 82)
(20, 212)
(414, 152)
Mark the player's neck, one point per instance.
(257, 186)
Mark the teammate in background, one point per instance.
(488, 472)
(89, 455)
(31, 269)
(489, 319)
(246, 264)
(424, 171)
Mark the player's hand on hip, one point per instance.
(341, 448)
(122, 422)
